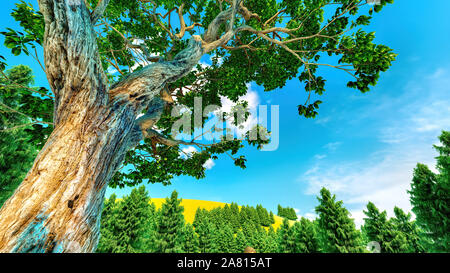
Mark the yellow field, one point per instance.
(191, 205)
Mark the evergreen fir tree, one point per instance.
(287, 212)
(379, 229)
(305, 237)
(272, 241)
(224, 239)
(206, 230)
(337, 230)
(263, 216)
(234, 211)
(240, 242)
(430, 198)
(191, 242)
(199, 216)
(272, 218)
(108, 227)
(286, 240)
(249, 230)
(132, 218)
(402, 222)
(280, 211)
(170, 226)
(149, 237)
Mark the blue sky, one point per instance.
(363, 147)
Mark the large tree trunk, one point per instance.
(57, 208)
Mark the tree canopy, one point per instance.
(266, 42)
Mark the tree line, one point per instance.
(133, 224)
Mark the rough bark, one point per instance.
(57, 207)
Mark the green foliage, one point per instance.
(205, 230)
(286, 238)
(430, 198)
(305, 237)
(32, 23)
(287, 212)
(19, 143)
(213, 231)
(127, 225)
(190, 243)
(133, 216)
(402, 222)
(108, 227)
(314, 34)
(337, 230)
(170, 226)
(224, 239)
(379, 229)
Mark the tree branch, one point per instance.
(142, 85)
(72, 60)
(18, 112)
(99, 10)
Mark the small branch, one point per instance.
(22, 86)
(183, 27)
(18, 126)
(16, 111)
(99, 10)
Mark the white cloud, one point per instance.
(187, 152)
(332, 146)
(310, 216)
(209, 164)
(318, 157)
(323, 120)
(383, 177)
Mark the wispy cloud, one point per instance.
(384, 176)
(332, 146)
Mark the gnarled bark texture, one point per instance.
(57, 207)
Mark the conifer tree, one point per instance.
(272, 218)
(132, 218)
(199, 216)
(235, 219)
(108, 227)
(224, 239)
(402, 222)
(292, 215)
(206, 230)
(379, 229)
(430, 198)
(287, 212)
(190, 243)
(170, 226)
(240, 242)
(286, 240)
(272, 241)
(149, 237)
(249, 230)
(280, 211)
(263, 216)
(337, 230)
(305, 237)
